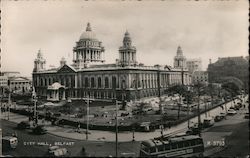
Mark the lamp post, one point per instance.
(198, 106)
(34, 97)
(116, 129)
(133, 133)
(8, 107)
(87, 127)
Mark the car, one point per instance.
(56, 151)
(39, 130)
(194, 130)
(23, 125)
(218, 118)
(234, 108)
(52, 148)
(208, 122)
(246, 116)
(231, 112)
(223, 115)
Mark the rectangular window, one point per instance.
(152, 149)
(173, 146)
(186, 144)
(180, 145)
(192, 142)
(160, 148)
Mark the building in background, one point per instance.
(11, 73)
(16, 83)
(194, 65)
(226, 68)
(3, 81)
(3, 85)
(19, 85)
(180, 59)
(200, 77)
(90, 76)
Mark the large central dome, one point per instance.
(88, 34)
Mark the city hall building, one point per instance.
(88, 75)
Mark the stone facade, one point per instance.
(123, 80)
(200, 77)
(19, 84)
(236, 67)
(194, 65)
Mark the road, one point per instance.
(228, 138)
(28, 144)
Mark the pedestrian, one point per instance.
(14, 134)
(169, 125)
(244, 105)
(43, 121)
(78, 127)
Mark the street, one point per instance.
(28, 144)
(229, 137)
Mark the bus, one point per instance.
(9, 142)
(176, 146)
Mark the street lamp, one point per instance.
(133, 133)
(116, 129)
(34, 97)
(87, 126)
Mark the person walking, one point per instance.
(169, 125)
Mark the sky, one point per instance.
(204, 29)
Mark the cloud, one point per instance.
(207, 29)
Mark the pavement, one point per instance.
(96, 135)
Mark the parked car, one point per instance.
(246, 116)
(218, 118)
(56, 151)
(234, 108)
(208, 122)
(52, 148)
(223, 115)
(194, 130)
(39, 130)
(231, 112)
(23, 125)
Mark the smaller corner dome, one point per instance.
(56, 85)
(88, 34)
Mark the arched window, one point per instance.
(99, 82)
(40, 82)
(114, 82)
(49, 81)
(86, 82)
(106, 82)
(92, 82)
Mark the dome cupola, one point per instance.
(127, 52)
(88, 50)
(88, 34)
(127, 40)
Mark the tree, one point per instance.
(232, 88)
(182, 91)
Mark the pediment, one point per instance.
(66, 69)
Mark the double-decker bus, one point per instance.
(177, 146)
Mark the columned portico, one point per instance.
(56, 92)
